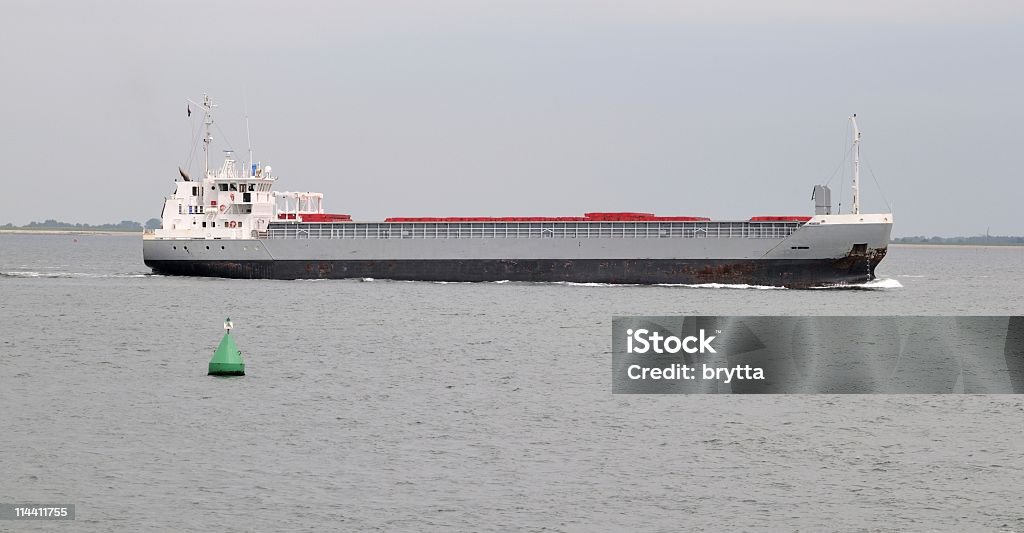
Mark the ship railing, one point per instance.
(533, 230)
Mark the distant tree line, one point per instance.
(124, 225)
(980, 239)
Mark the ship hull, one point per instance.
(829, 250)
(794, 273)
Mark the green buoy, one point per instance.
(227, 360)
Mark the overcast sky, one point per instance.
(432, 108)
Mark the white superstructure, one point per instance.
(230, 202)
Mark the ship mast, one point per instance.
(207, 136)
(207, 107)
(856, 165)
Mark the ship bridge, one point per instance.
(230, 202)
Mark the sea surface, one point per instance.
(395, 406)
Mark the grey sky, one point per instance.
(401, 108)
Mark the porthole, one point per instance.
(221, 247)
(207, 247)
(175, 247)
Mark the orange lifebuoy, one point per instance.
(232, 197)
(231, 224)
(223, 208)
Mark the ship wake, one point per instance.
(31, 274)
(873, 285)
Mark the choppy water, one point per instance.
(411, 406)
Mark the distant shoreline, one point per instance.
(58, 231)
(952, 245)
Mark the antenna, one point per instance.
(856, 165)
(248, 138)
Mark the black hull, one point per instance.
(797, 273)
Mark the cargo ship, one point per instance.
(232, 224)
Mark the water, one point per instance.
(410, 406)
